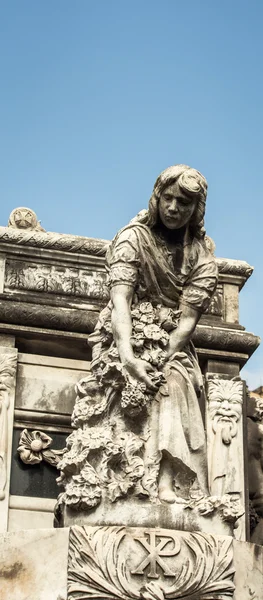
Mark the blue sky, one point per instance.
(97, 97)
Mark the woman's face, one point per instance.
(175, 207)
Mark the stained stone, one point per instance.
(33, 565)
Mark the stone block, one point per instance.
(33, 565)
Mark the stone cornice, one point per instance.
(53, 241)
(96, 247)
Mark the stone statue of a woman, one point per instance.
(139, 430)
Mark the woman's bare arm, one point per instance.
(121, 297)
(182, 335)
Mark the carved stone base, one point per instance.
(130, 513)
(128, 563)
(151, 564)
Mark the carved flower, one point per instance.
(146, 308)
(83, 491)
(139, 327)
(137, 340)
(135, 313)
(32, 446)
(90, 401)
(134, 398)
(148, 318)
(112, 375)
(231, 508)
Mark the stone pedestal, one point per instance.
(119, 563)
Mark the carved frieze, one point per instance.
(55, 280)
(7, 381)
(148, 564)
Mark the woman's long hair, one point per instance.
(192, 183)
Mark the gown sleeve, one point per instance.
(122, 261)
(202, 281)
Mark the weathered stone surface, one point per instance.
(31, 512)
(33, 565)
(217, 515)
(248, 564)
(50, 317)
(54, 241)
(121, 563)
(47, 384)
(8, 364)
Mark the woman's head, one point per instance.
(190, 188)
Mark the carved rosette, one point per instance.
(7, 381)
(34, 447)
(149, 564)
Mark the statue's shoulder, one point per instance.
(131, 232)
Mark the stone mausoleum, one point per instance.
(109, 535)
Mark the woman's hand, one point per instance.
(138, 369)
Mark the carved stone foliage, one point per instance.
(120, 468)
(34, 447)
(56, 280)
(116, 563)
(225, 399)
(7, 381)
